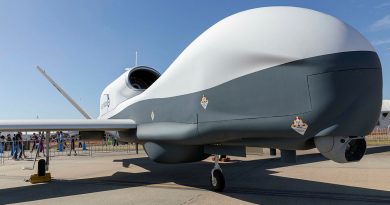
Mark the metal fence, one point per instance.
(14, 150)
(379, 136)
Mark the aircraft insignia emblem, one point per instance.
(204, 102)
(106, 103)
(152, 115)
(299, 126)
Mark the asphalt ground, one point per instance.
(122, 178)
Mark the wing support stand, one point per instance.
(47, 139)
(43, 165)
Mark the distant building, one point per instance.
(384, 118)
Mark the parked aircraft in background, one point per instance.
(279, 77)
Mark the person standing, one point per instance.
(63, 140)
(16, 146)
(41, 148)
(2, 144)
(8, 143)
(34, 138)
(104, 142)
(22, 145)
(72, 146)
(80, 143)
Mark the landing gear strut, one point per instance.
(217, 179)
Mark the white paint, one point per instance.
(75, 124)
(386, 106)
(238, 45)
(117, 92)
(384, 117)
(152, 115)
(248, 42)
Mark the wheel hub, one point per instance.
(214, 181)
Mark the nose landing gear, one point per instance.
(217, 180)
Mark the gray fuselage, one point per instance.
(336, 95)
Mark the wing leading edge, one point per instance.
(68, 125)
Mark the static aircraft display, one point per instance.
(277, 77)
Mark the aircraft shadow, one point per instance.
(250, 181)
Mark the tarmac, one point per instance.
(257, 179)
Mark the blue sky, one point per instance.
(84, 45)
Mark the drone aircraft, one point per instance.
(275, 77)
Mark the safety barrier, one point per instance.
(379, 136)
(12, 149)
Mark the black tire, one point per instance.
(41, 167)
(219, 186)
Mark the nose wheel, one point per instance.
(217, 180)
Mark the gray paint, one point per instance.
(168, 153)
(335, 94)
(166, 131)
(287, 143)
(341, 149)
(354, 106)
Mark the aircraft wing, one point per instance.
(68, 125)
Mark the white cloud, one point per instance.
(381, 24)
(381, 42)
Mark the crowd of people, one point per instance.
(17, 145)
(63, 145)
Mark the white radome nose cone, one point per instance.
(254, 40)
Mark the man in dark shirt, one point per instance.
(34, 139)
(72, 146)
(21, 145)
